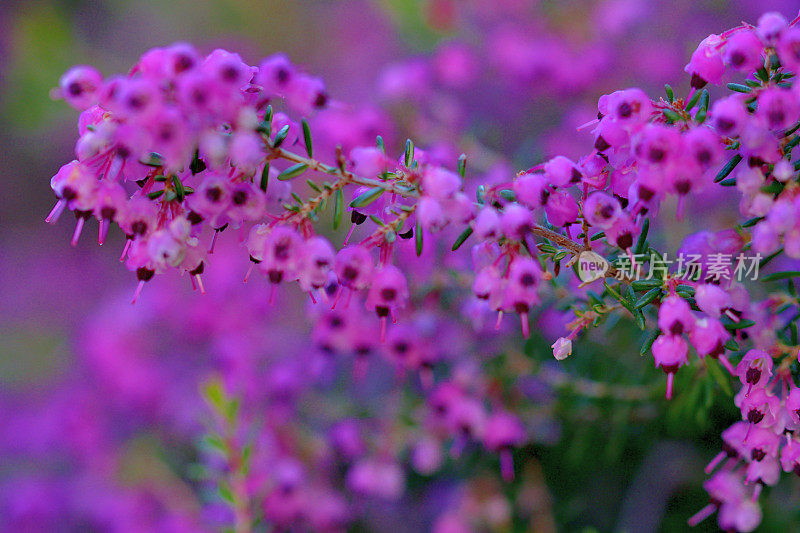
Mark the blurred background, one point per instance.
(507, 82)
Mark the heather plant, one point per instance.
(407, 260)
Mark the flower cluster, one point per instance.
(186, 146)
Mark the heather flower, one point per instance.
(375, 477)
(770, 27)
(213, 196)
(706, 64)
(708, 336)
(283, 255)
(562, 348)
(488, 285)
(79, 86)
(629, 106)
(427, 456)
(740, 515)
(622, 232)
(487, 224)
(431, 215)
(790, 456)
(246, 152)
(275, 73)
(669, 352)
(306, 94)
(743, 51)
(601, 210)
(788, 48)
(368, 161)
(388, 291)
(758, 407)
(516, 221)
(778, 108)
(504, 431)
(561, 172)
(561, 208)
(675, 316)
(705, 148)
(521, 291)
(728, 115)
(354, 267)
(755, 368)
(318, 259)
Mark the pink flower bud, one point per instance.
(706, 64)
(743, 51)
(79, 86)
(562, 348)
(560, 172)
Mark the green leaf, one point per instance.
(700, 116)
(179, 190)
(461, 238)
(732, 345)
(791, 145)
(225, 493)
(767, 260)
(639, 317)
(307, 138)
(693, 101)
(752, 222)
(614, 294)
(265, 177)
(671, 115)
(292, 172)
(153, 160)
(214, 442)
(739, 88)
(641, 244)
(704, 100)
(409, 153)
(418, 238)
(213, 393)
(648, 343)
(338, 208)
(773, 188)
(462, 165)
(280, 136)
(313, 185)
(508, 194)
(247, 453)
(728, 168)
(731, 325)
(366, 198)
(777, 276)
(646, 284)
(647, 297)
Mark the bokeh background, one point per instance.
(513, 79)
